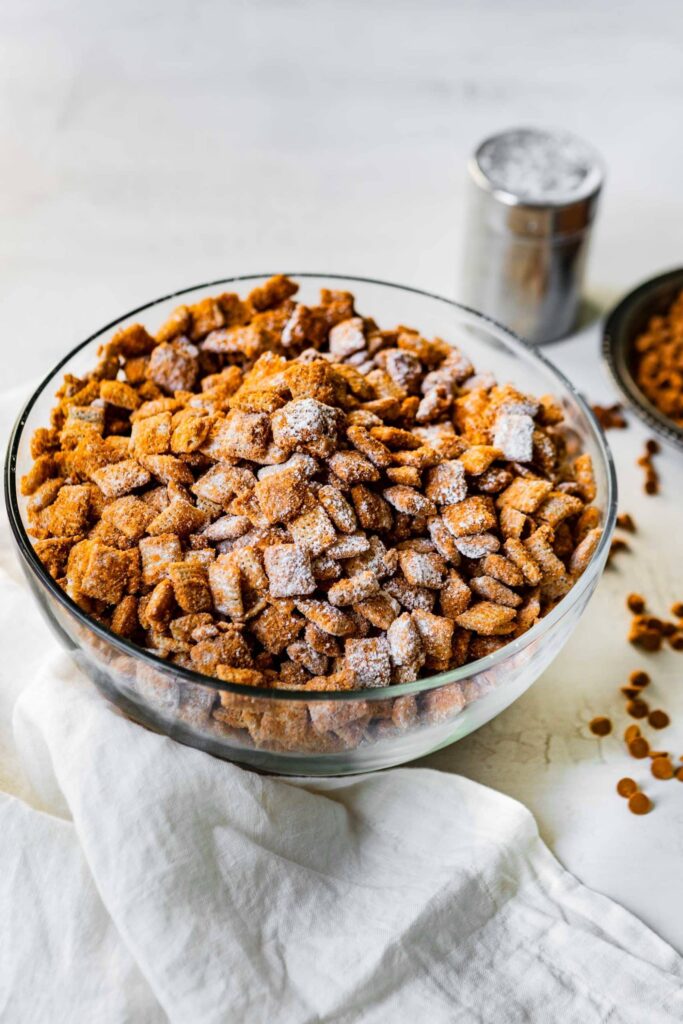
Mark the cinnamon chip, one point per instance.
(639, 803)
(626, 787)
(662, 768)
(637, 708)
(658, 719)
(600, 726)
(639, 747)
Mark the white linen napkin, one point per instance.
(162, 883)
(143, 881)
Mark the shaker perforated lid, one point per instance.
(543, 181)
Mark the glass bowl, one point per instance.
(321, 733)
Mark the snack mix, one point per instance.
(287, 496)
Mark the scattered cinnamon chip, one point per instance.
(658, 719)
(639, 803)
(639, 747)
(625, 522)
(610, 417)
(639, 678)
(662, 768)
(626, 787)
(651, 482)
(679, 773)
(617, 544)
(600, 726)
(635, 603)
(637, 708)
(631, 732)
(677, 609)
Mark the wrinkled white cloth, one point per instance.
(142, 881)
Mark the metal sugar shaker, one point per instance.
(533, 196)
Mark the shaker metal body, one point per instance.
(528, 227)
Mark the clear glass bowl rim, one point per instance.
(544, 625)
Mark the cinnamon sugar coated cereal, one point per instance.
(287, 496)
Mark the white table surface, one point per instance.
(149, 146)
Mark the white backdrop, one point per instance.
(149, 146)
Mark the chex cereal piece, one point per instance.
(124, 620)
(405, 642)
(436, 633)
(117, 392)
(369, 660)
(226, 528)
(423, 569)
(313, 531)
(156, 554)
(585, 477)
(167, 469)
(477, 545)
(372, 511)
(408, 595)
(494, 590)
(308, 425)
(539, 546)
(529, 612)
(322, 642)
(338, 508)
(479, 457)
(518, 553)
(121, 478)
(282, 494)
(583, 552)
(558, 506)
(105, 573)
(455, 596)
(289, 570)
(378, 558)
(353, 468)
(472, 515)
(152, 434)
(68, 514)
(240, 435)
(409, 500)
(277, 626)
(488, 619)
(130, 515)
(503, 569)
(328, 619)
(223, 482)
(347, 337)
(325, 568)
(312, 660)
(443, 540)
(190, 434)
(380, 610)
(190, 586)
(525, 494)
(179, 517)
(174, 366)
(353, 590)
(54, 553)
(369, 446)
(349, 546)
